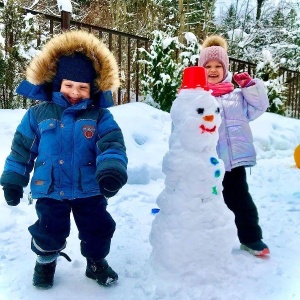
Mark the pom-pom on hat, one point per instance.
(214, 48)
(75, 67)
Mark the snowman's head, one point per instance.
(196, 117)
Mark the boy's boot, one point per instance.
(45, 268)
(101, 272)
(258, 248)
(44, 274)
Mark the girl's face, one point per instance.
(215, 71)
(75, 91)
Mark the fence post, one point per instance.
(65, 20)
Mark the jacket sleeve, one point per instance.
(256, 99)
(111, 151)
(20, 161)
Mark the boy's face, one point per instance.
(215, 71)
(75, 91)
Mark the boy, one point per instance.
(76, 149)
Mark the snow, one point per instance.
(64, 5)
(165, 78)
(190, 38)
(168, 41)
(34, 3)
(274, 185)
(237, 34)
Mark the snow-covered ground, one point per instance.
(274, 185)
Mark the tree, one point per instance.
(19, 40)
(181, 20)
(291, 19)
(189, 54)
(230, 21)
(277, 30)
(278, 20)
(188, 16)
(169, 14)
(163, 78)
(268, 70)
(199, 17)
(161, 82)
(259, 8)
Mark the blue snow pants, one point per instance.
(95, 225)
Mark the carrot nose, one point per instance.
(209, 118)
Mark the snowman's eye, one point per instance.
(218, 110)
(200, 111)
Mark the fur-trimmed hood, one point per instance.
(43, 67)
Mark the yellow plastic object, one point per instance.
(297, 156)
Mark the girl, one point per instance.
(235, 146)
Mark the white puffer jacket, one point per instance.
(235, 146)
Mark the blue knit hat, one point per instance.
(76, 67)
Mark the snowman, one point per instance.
(194, 230)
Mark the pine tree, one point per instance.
(163, 78)
(230, 21)
(268, 71)
(291, 19)
(278, 19)
(277, 30)
(169, 13)
(164, 73)
(19, 36)
(190, 51)
(199, 17)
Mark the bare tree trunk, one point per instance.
(181, 20)
(205, 24)
(258, 10)
(235, 17)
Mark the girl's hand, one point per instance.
(243, 79)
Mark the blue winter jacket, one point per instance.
(70, 147)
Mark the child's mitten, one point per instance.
(243, 79)
(109, 186)
(12, 194)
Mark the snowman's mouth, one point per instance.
(205, 129)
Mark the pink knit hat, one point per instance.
(214, 48)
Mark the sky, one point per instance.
(234, 274)
(222, 6)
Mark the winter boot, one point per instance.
(44, 274)
(257, 248)
(101, 272)
(45, 268)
